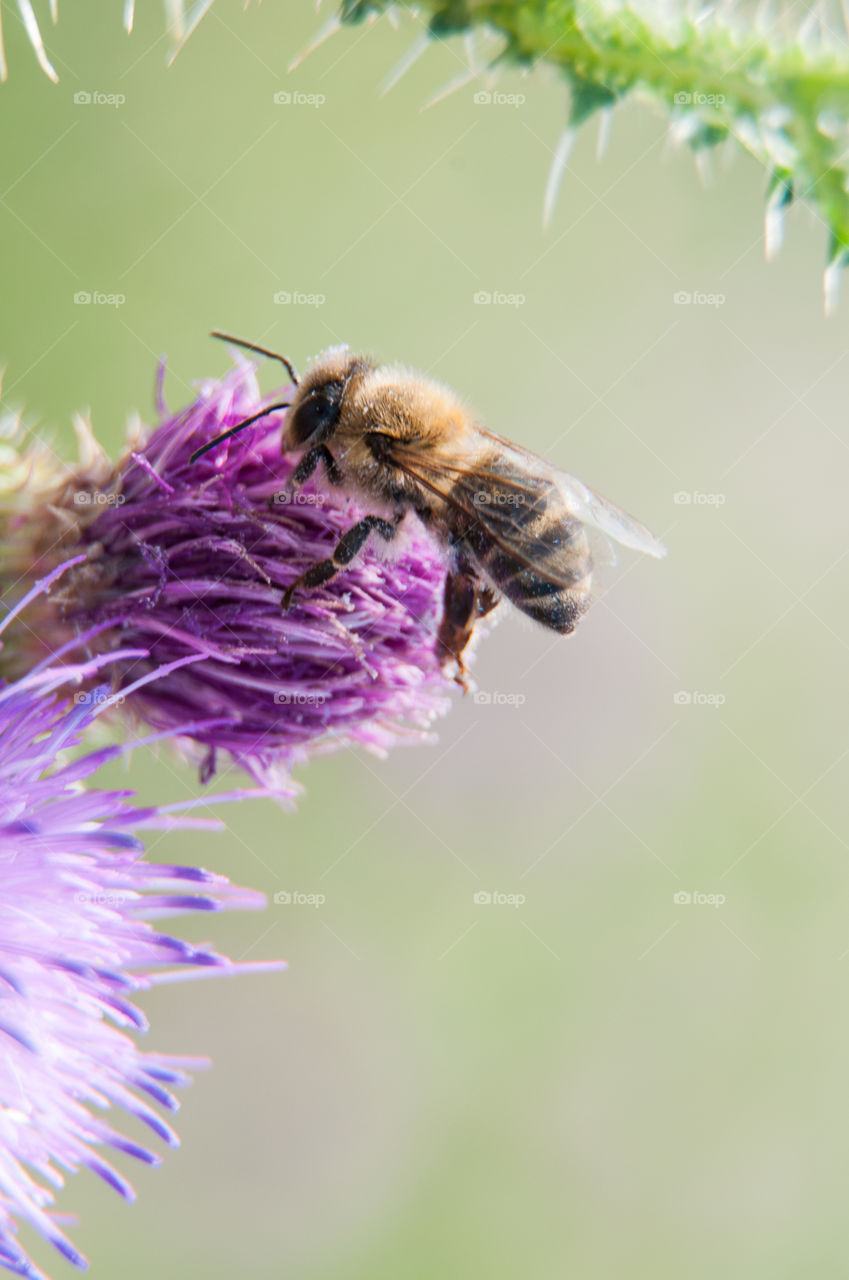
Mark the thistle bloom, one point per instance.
(192, 559)
(76, 945)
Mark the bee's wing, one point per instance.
(584, 504)
(599, 513)
(528, 486)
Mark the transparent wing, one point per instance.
(584, 504)
(522, 504)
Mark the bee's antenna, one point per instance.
(260, 351)
(248, 422)
(240, 426)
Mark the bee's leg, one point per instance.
(488, 598)
(466, 599)
(305, 468)
(310, 461)
(346, 548)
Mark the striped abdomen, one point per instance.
(529, 547)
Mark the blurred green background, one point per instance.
(600, 1081)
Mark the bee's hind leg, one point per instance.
(488, 598)
(466, 599)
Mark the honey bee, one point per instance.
(513, 526)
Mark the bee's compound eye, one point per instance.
(318, 412)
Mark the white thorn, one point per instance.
(831, 284)
(773, 231)
(31, 27)
(471, 46)
(605, 128)
(174, 18)
(324, 32)
(402, 66)
(555, 174)
(202, 7)
(458, 82)
(189, 24)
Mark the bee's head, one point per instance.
(318, 401)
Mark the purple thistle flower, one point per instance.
(76, 945)
(193, 559)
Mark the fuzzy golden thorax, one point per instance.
(368, 417)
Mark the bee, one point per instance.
(513, 526)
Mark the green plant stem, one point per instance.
(786, 101)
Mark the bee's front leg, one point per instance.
(346, 548)
(310, 461)
(307, 467)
